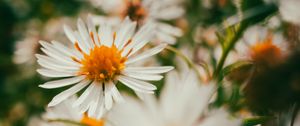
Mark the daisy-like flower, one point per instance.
(28, 46)
(26, 49)
(143, 11)
(65, 115)
(98, 61)
(262, 47)
(183, 102)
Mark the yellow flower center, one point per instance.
(266, 52)
(91, 122)
(102, 63)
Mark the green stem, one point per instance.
(231, 43)
(186, 59)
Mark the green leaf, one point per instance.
(255, 11)
(236, 66)
(256, 120)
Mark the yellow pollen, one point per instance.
(91, 122)
(266, 52)
(103, 63)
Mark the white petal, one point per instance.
(116, 94)
(69, 92)
(107, 96)
(81, 43)
(60, 47)
(58, 56)
(67, 50)
(97, 110)
(62, 82)
(171, 30)
(139, 86)
(164, 37)
(223, 118)
(140, 39)
(58, 63)
(69, 33)
(146, 54)
(84, 34)
(169, 13)
(89, 100)
(106, 35)
(56, 67)
(100, 111)
(148, 77)
(140, 95)
(96, 103)
(84, 95)
(125, 32)
(52, 51)
(149, 70)
(53, 73)
(92, 29)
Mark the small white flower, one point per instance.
(98, 61)
(260, 44)
(25, 50)
(143, 11)
(63, 111)
(182, 102)
(65, 115)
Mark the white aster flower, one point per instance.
(26, 49)
(98, 61)
(65, 115)
(258, 45)
(143, 11)
(261, 45)
(183, 102)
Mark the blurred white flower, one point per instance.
(260, 45)
(65, 115)
(182, 102)
(98, 61)
(207, 35)
(27, 47)
(143, 11)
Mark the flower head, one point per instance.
(182, 103)
(263, 47)
(135, 10)
(65, 115)
(99, 60)
(143, 11)
(265, 52)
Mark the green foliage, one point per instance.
(236, 66)
(255, 121)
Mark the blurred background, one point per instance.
(272, 91)
(23, 23)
